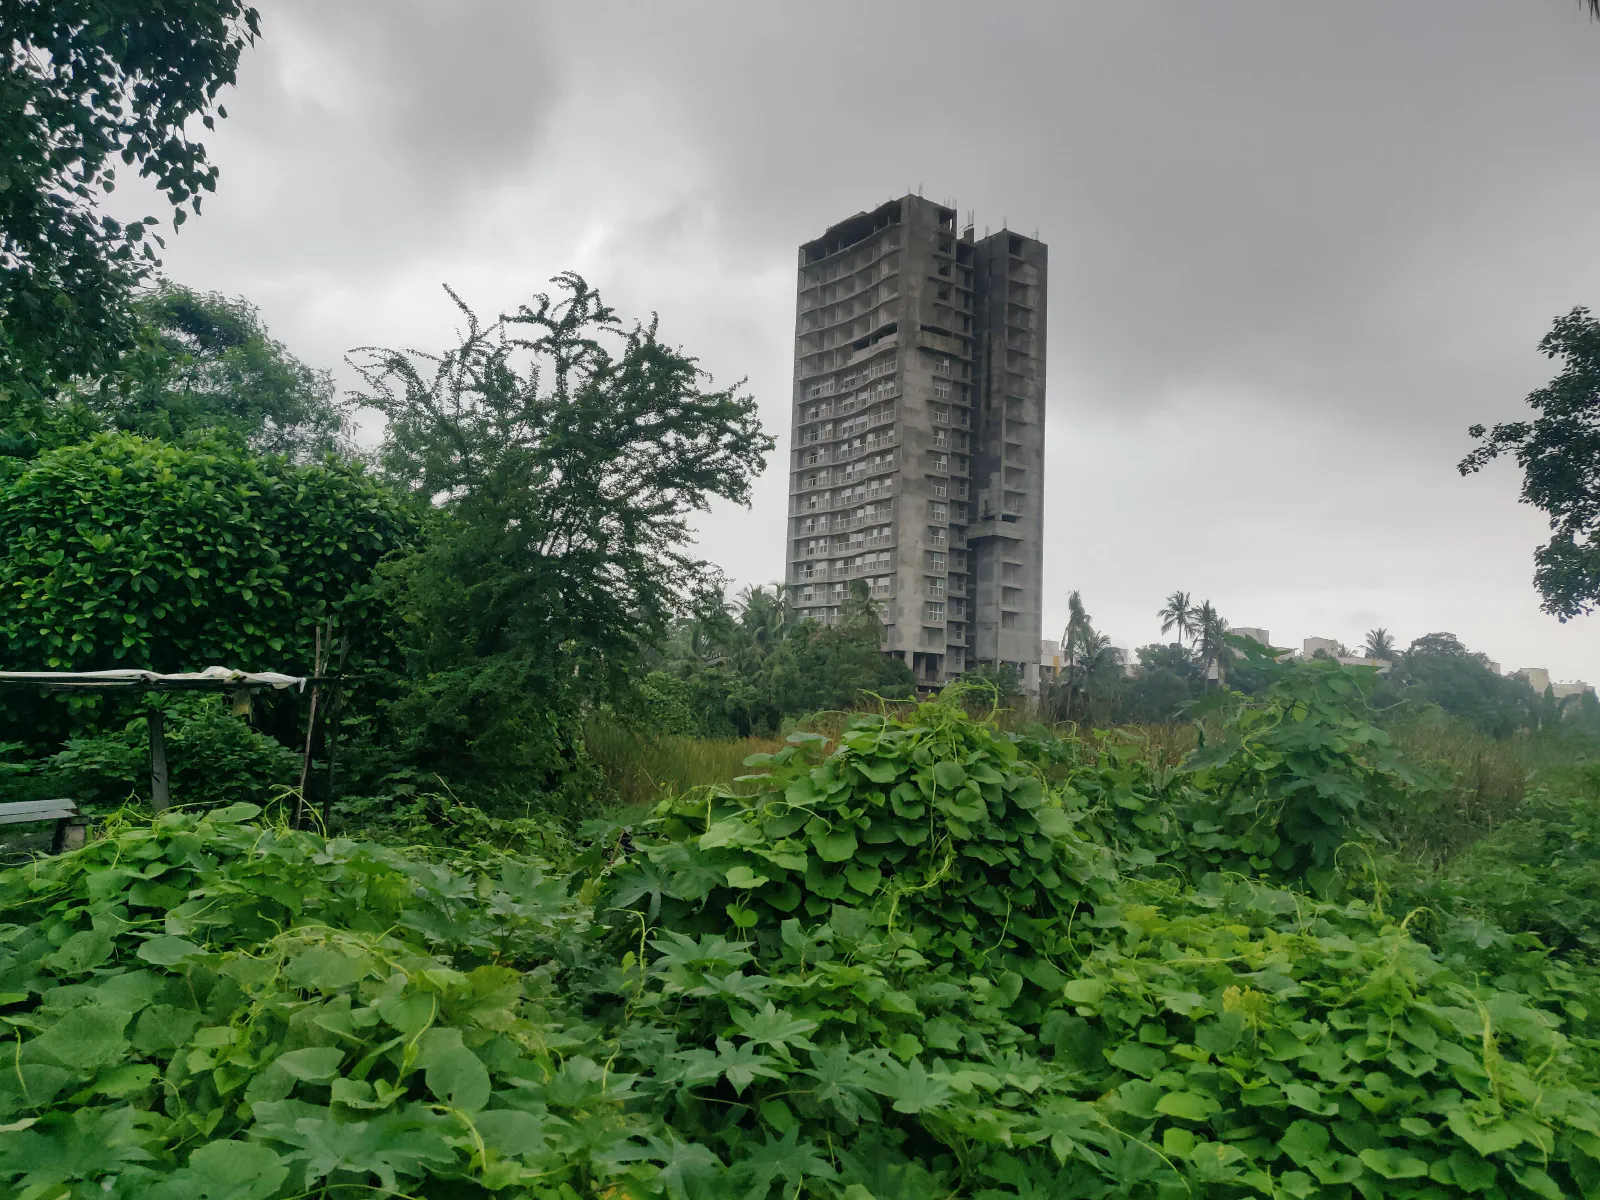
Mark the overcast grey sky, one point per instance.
(1295, 248)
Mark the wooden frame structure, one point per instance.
(213, 679)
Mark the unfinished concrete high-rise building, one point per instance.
(917, 460)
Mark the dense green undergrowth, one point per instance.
(928, 959)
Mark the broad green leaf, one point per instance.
(314, 1064)
(1493, 1137)
(85, 1039)
(453, 1073)
(167, 951)
(1538, 1181)
(1087, 992)
(833, 845)
(1188, 1106)
(1394, 1164)
(226, 1170)
(1137, 1059)
(1306, 1143)
(1053, 822)
(881, 770)
(1309, 1099)
(743, 877)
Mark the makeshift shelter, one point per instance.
(213, 679)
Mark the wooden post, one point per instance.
(301, 798)
(160, 797)
(331, 737)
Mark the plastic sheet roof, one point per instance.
(219, 679)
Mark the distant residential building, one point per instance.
(1576, 687)
(1050, 663)
(917, 439)
(1312, 646)
(1252, 631)
(1538, 678)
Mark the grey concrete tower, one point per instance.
(917, 436)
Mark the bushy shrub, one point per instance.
(213, 758)
(493, 730)
(1296, 777)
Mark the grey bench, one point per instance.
(63, 812)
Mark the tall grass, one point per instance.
(1484, 780)
(639, 767)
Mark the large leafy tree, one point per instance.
(206, 362)
(1438, 669)
(832, 667)
(565, 455)
(1559, 453)
(88, 85)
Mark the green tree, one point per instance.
(1166, 679)
(1437, 669)
(85, 83)
(820, 667)
(1559, 453)
(1379, 644)
(1178, 614)
(206, 362)
(1211, 641)
(1086, 689)
(564, 457)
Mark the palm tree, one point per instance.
(1211, 632)
(1380, 644)
(1179, 613)
(1079, 642)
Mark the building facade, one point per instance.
(917, 438)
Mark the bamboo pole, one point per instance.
(335, 711)
(160, 796)
(298, 816)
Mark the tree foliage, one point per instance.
(85, 83)
(1091, 668)
(1559, 453)
(206, 363)
(564, 456)
(1438, 669)
(746, 665)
